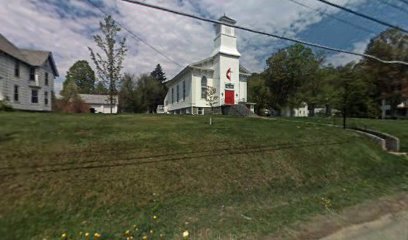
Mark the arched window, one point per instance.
(204, 87)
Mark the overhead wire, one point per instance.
(135, 36)
(265, 33)
(386, 2)
(364, 16)
(334, 17)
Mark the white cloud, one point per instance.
(341, 59)
(37, 24)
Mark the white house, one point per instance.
(401, 111)
(187, 90)
(26, 77)
(302, 111)
(100, 103)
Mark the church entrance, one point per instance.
(229, 97)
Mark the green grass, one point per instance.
(398, 128)
(241, 178)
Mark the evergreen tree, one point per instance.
(160, 76)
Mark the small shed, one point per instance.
(100, 103)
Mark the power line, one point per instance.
(264, 33)
(334, 17)
(137, 37)
(394, 6)
(364, 16)
(404, 1)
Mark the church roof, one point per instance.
(227, 20)
(200, 66)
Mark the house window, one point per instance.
(32, 74)
(178, 93)
(172, 95)
(200, 111)
(34, 96)
(46, 79)
(184, 90)
(46, 98)
(15, 93)
(17, 68)
(204, 87)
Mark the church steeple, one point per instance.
(225, 39)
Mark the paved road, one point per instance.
(389, 227)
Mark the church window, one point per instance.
(172, 95)
(204, 87)
(178, 93)
(184, 90)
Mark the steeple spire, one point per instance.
(225, 39)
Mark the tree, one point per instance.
(100, 88)
(71, 101)
(147, 90)
(258, 92)
(159, 75)
(352, 93)
(310, 90)
(212, 99)
(82, 75)
(391, 80)
(110, 65)
(69, 90)
(128, 101)
(286, 72)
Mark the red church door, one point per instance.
(229, 97)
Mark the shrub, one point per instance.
(5, 107)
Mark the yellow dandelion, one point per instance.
(154, 217)
(87, 236)
(144, 237)
(185, 234)
(151, 231)
(97, 236)
(64, 236)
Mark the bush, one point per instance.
(5, 107)
(76, 105)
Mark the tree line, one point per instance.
(294, 76)
(297, 75)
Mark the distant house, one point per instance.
(100, 103)
(187, 91)
(401, 111)
(26, 77)
(301, 111)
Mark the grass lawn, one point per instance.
(398, 128)
(240, 178)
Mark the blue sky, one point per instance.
(66, 28)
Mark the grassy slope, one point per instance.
(398, 128)
(246, 177)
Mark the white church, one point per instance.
(187, 92)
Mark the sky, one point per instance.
(66, 28)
